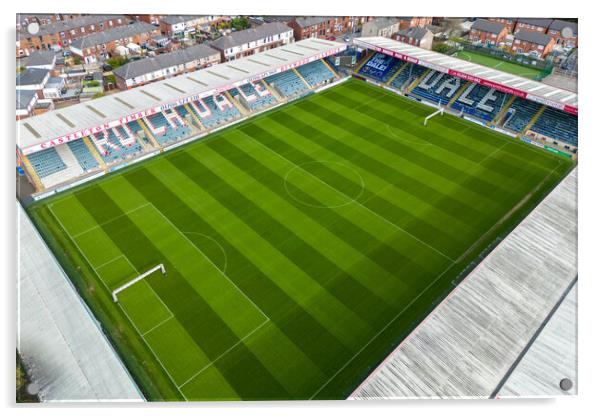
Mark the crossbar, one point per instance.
(137, 279)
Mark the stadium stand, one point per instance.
(112, 149)
(380, 67)
(407, 75)
(519, 114)
(167, 127)
(288, 84)
(216, 114)
(47, 162)
(254, 96)
(82, 154)
(480, 101)
(438, 87)
(315, 73)
(558, 125)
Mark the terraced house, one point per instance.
(250, 41)
(102, 44)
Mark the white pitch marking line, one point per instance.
(209, 260)
(121, 307)
(224, 353)
(356, 202)
(381, 331)
(158, 325)
(109, 221)
(108, 262)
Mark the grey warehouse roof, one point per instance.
(61, 122)
(250, 35)
(534, 90)
(119, 32)
(166, 60)
(487, 26)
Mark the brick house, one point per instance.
(510, 22)
(165, 65)
(381, 26)
(102, 44)
(417, 36)
(408, 22)
(324, 26)
(532, 25)
(180, 25)
(564, 33)
(153, 19)
(250, 41)
(487, 32)
(536, 43)
(62, 33)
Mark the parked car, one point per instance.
(107, 67)
(331, 38)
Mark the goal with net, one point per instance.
(137, 279)
(440, 110)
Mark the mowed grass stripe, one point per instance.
(463, 133)
(208, 330)
(403, 205)
(239, 199)
(342, 221)
(305, 331)
(406, 220)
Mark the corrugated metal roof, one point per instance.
(514, 84)
(203, 81)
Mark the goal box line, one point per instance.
(137, 279)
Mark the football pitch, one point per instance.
(300, 246)
(502, 65)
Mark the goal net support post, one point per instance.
(137, 279)
(440, 110)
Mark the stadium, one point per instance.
(274, 227)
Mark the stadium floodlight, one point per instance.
(440, 110)
(137, 279)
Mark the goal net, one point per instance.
(440, 110)
(137, 279)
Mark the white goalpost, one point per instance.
(137, 279)
(440, 110)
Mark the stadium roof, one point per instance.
(118, 32)
(79, 120)
(250, 35)
(487, 26)
(533, 37)
(162, 61)
(512, 84)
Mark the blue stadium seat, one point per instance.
(520, 114)
(438, 87)
(82, 154)
(217, 116)
(407, 75)
(288, 83)
(258, 101)
(46, 162)
(380, 67)
(315, 73)
(172, 132)
(557, 124)
(112, 149)
(480, 101)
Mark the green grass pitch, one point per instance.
(301, 246)
(492, 62)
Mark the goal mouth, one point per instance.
(137, 279)
(440, 110)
